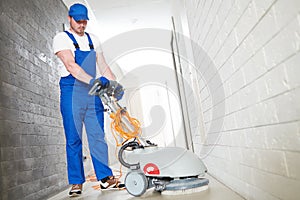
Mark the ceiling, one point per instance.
(112, 17)
(120, 24)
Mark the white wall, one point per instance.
(247, 59)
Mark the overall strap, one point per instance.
(73, 39)
(90, 41)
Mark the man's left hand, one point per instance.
(116, 89)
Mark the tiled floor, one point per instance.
(215, 191)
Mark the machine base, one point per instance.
(185, 186)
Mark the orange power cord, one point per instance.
(120, 129)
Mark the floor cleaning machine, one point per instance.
(169, 170)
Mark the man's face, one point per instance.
(78, 26)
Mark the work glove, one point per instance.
(115, 89)
(104, 82)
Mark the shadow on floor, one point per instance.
(215, 191)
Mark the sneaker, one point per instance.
(75, 190)
(111, 183)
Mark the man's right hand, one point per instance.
(104, 82)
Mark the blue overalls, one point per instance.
(77, 107)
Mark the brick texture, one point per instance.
(31, 134)
(253, 48)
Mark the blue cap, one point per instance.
(78, 12)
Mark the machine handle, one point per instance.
(120, 155)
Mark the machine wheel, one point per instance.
(136, 183)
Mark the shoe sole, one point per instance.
(74, 195)
(112, 188)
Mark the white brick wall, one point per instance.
(253, 47)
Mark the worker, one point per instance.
(81, 54)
